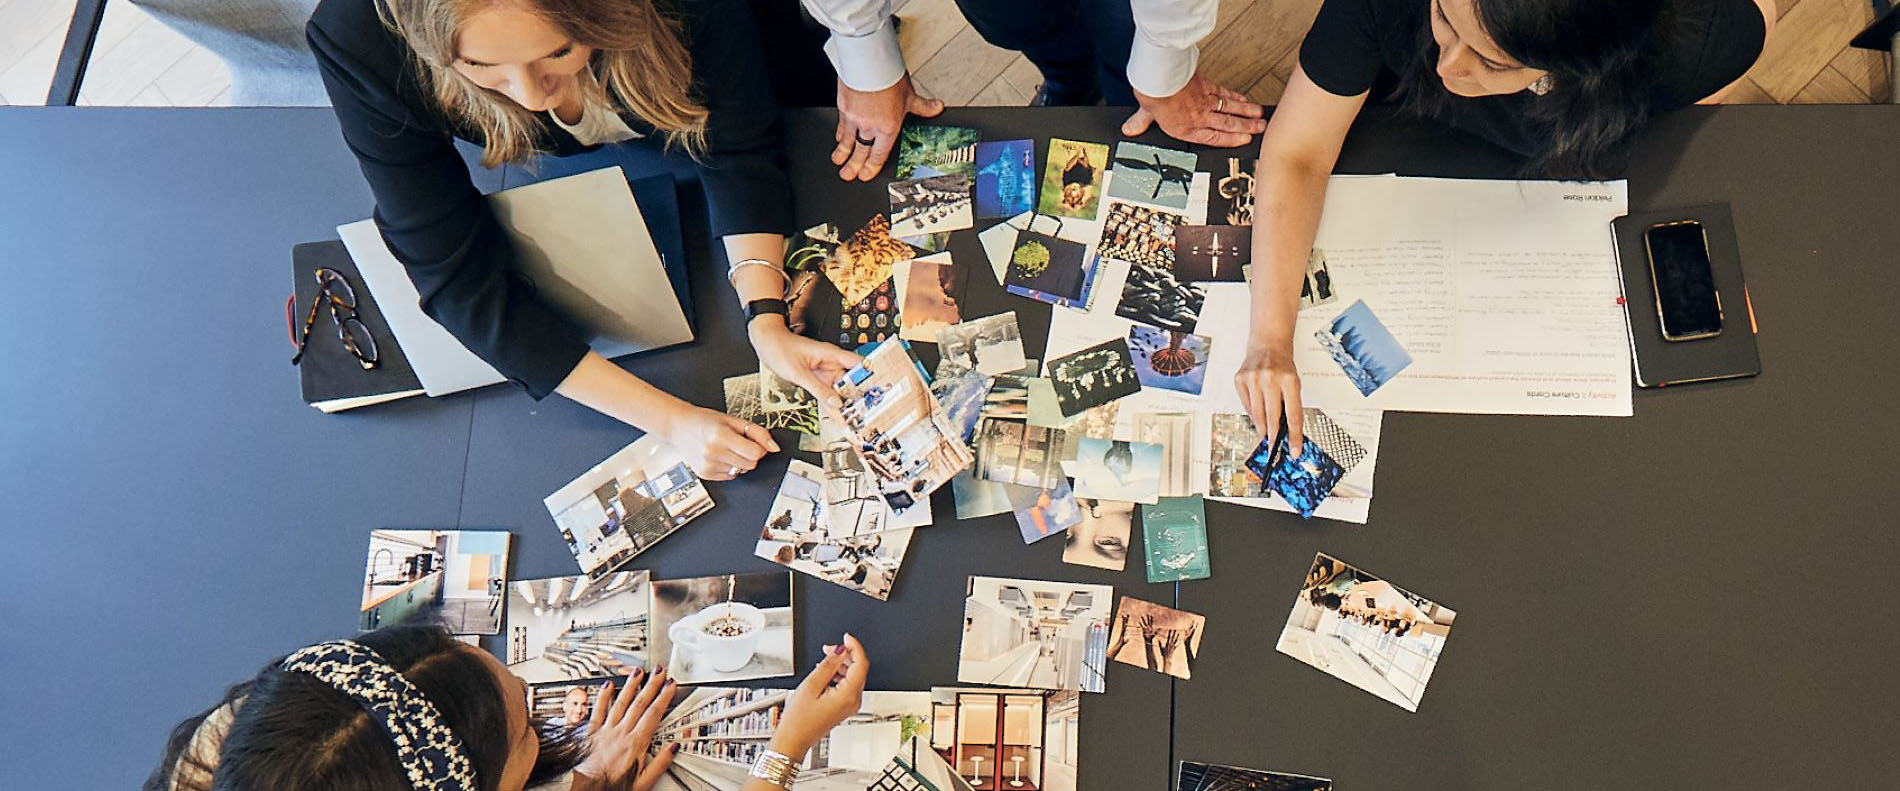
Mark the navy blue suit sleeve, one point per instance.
(747, 189)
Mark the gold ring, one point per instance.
(1220, 104)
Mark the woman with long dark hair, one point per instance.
(1563, 84)
(526, 78)
(410, 707)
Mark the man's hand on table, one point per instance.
(868, 123)
(1202, 113)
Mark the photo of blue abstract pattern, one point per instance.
(1304, 482)
(1169, 360)
(1005, 178)
(1364, 349)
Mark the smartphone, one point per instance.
(1686, 300)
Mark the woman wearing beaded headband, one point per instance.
(409, 707)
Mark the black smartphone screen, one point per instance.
(1685, 284)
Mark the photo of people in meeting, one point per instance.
(565, 628)
(1372, 634)
(1030, 633)
(454, 576)
(1015, 739)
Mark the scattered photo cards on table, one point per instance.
(1005, 178)
(626, 504)
(1155, 296)
(1029, 633)
(1363, 348)
(1093, 376)
(1231, 446)
(977, 497)
(1117, 470)
(1196, 776)
(873, 319)
(930, 205)
(743, 401)
(930, 285)
(800, 536)
(1014, 452)
(1318, 287)
(1072, 179)
(1230, 202)
(961, 396)
(1042, 264)
(1153, 637)
(1100, 539)
(1168, 359)
(1303, 482)
(730, 627)
(1039, 726)
(901, 431)
(1041, 513)
(1212, 253)
(454, 577)
(569, 628)
(720, 731)
(1140, 235)
(936, 151)
(863, 261)
(1152, 175)
(1366, 631)
(992, 345)
(1174, 533)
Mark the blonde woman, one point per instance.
(524, 78)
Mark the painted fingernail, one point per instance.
(839, 651)
(673, 748)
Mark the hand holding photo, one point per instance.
(1174, 532)
(1364, 349)
(743, 402)
(1041, 513)
(720, 731)
(1366, 631)
(730, 627)
(626, 504)
(1029, 633)
(1072, 179)
(930, 205)
(992, 345)
(1116, 470)
(1153, 637)
(901, 431)
(1169, 360)
(567, 628)
(1212, 253)
(1094, 376)
(455, 577)
(936, 151)
(1152, 175)
(1005, 178)
(1100, 539)
(1304, 482)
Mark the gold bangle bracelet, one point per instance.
(775, 768)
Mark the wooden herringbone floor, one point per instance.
(138, 61)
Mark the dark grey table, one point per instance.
(1670, 598)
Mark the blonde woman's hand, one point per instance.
(812, 365)
(718, 446)
(831, 693)
(1269, 386)
(621, 730)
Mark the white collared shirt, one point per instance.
(600, 124)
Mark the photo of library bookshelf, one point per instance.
(721, 730)
(1018, 739)
(566, 628)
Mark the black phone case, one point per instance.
(1659, 362)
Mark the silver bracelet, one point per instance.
(779, 269)
(775, 768)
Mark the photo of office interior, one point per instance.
(1014, 739)
(567, 628)
(453, 576)
(721, 730)
(1366, 631)
(1028, 633)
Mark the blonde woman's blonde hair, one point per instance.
(639, 56)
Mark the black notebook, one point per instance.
(331, 377)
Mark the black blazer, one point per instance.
(436, 222)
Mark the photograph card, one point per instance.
(564, 707)
(1212, 253)
(873, 319)
(930, 205)
(812, 249)
(1072, 179)
(455, 577)
(782, 395)
(1174, 533)
(1318, 287)
(991, 344)
(799, 536)
(571, 628)
(743, 401)
(730, 627)
(1363, 348)
(1196, 776)
(1169, 360)
(931, 286)
(1230, 201)
(1173, 432)
(1338, 443)
(903, 434)
(1152, 637)
(921, 768)
(1117, 470)
(962, 398)
(1044, 410)
(720, 731)
(1228, 475)
(977, 497)
(1044, 730)
(626, 504)
(1094, 376)
(1367, 632)
(1140, 235)
(1041, 513)
(1154, 296)
(863, 261)
(1030, 633)
(1150, 174)
(1005, 178)
(1100, 538)
(1014, 452)
(936, 150)
(1046, 265)
(1304, 482)
(1008, 398)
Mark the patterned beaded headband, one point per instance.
(431, 754)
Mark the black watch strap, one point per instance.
(760, 307)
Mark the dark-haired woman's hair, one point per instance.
(292, 731)
(1601, 58)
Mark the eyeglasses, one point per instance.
(334, 288)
